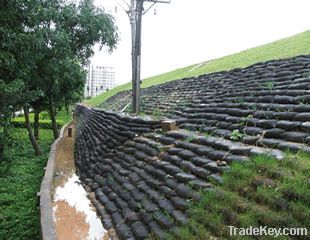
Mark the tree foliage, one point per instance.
(44, 45)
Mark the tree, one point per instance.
(44, 45)
(72, 30)
(16, 60)
(38, 106)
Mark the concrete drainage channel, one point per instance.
(66, 212)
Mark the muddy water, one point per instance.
(74, 216)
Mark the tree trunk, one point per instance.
(1, 151)
(5, 136)
(30, 134)
(53, 117)
(36, 123)
(67, 108)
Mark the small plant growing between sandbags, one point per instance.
(190, 138)
(157, 113)
(236, 135)
(269, 85)
(307, 74)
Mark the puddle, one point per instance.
(74, 216)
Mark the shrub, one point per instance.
(44, 116)
(43, 124)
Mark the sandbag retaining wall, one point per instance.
(140, 179)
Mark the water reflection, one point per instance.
(73, 194)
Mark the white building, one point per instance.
(99, 79)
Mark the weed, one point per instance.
(236, 135)
(157, 113)
(302, 100)
(244, 121)
(190, 138)
(307, 74)
(238, 100)
(207, 135)
(269, 85)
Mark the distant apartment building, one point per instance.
(99, 79)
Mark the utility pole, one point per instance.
(132, 16)
(135, 14)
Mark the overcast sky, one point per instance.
(186, 32)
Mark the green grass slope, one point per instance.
(261, 192)
(287, 47)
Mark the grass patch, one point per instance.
(287, 47)
(98, 100)
(20, 179)
(62, 117)
(19, 122)
(21, 174)
(261, 192)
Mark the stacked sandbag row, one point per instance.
(143, 179)
(276, 116)
(100, 132)
(268, 103)
(256, 81)
(118, 102)
(162, 99)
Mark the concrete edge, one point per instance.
(47, 227)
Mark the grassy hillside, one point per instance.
(287, 47)
(261, 192)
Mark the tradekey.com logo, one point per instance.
(266, 231)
